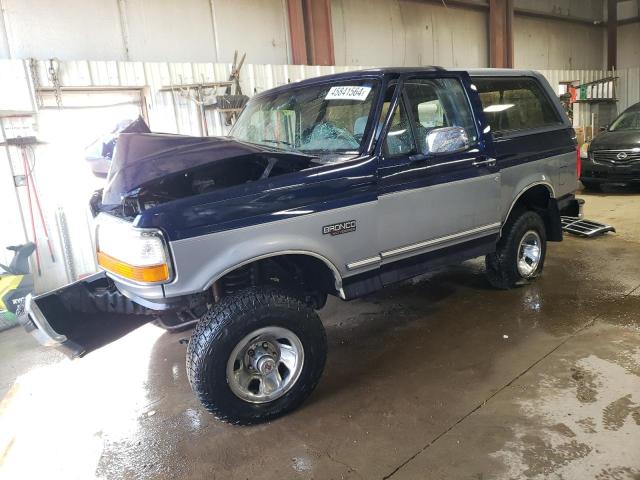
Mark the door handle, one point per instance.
(489, 162)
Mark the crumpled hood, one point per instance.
(620, 140)
(140, 158)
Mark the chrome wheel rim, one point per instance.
(265, 364)
(529, 253)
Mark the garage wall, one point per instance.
(402, 33)
(629, 45)
(150, 30)
(554, 44)
(366, 32)
(547, 44)
(409, 32)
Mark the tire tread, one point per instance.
(216, 324)
(500, 265)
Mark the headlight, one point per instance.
(132, 253)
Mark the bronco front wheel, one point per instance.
(256, 355)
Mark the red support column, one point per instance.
(297, 32)
(310, 32)
(319, 33)
(501, 33)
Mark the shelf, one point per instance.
(596, 100)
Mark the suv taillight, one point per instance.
(578, 162)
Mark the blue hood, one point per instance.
(142, 157)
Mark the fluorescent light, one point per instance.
(396, 132)
(498, 107)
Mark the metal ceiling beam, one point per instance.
(629, 21)
(466, 5)
(521, 12)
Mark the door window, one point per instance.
(437, 103)
(399, 139)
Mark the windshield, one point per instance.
(626, 121)
(322, 119)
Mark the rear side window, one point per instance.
(512, 104)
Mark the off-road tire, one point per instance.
(227, 323)
(502, 265)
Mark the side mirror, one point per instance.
(446, 140)
(604, 128)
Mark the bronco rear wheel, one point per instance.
(520, 253)
(256, 355)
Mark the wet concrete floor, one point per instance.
(444, 378)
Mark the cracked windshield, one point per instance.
(319, 120)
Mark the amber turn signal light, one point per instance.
(148, 274)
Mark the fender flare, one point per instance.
(552, 194)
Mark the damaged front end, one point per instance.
(147, 170)
(83, 316)
(152, 169)
(162, 188)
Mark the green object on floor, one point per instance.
(7, 320)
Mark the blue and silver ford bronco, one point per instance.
(337, 185)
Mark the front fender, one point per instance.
(200, 261)
(197, 272)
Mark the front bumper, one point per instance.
(82, 316)
(35, 323)
(607, 173)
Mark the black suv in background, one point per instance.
(614, 155)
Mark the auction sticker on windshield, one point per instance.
(348, 93)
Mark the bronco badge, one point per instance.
(339, 228)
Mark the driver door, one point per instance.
(428, 200)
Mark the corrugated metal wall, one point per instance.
(167, 112)
(183, 116)
(254, 78)
(175, 113)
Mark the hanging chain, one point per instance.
(55, 80)
(35, 79)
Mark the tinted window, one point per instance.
(438, 103)
(512, 104)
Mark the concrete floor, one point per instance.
(441, 379)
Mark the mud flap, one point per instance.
(83, 316)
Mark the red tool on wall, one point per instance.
(31, 188)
